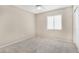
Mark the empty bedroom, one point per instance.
(36, 29)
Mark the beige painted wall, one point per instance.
(65, 33)
(15, 23)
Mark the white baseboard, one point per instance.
(17, 40)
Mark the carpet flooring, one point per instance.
(40, 45)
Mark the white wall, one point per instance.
(15, 24)
(76, 26)
(65, 33)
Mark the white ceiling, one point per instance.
(32, 8)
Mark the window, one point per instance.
(54, 22)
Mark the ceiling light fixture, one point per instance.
(39, 7)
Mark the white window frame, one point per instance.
(54, 22)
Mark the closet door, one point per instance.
(76, 27)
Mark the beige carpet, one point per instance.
(40, 45)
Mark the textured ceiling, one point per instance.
(32, 8)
